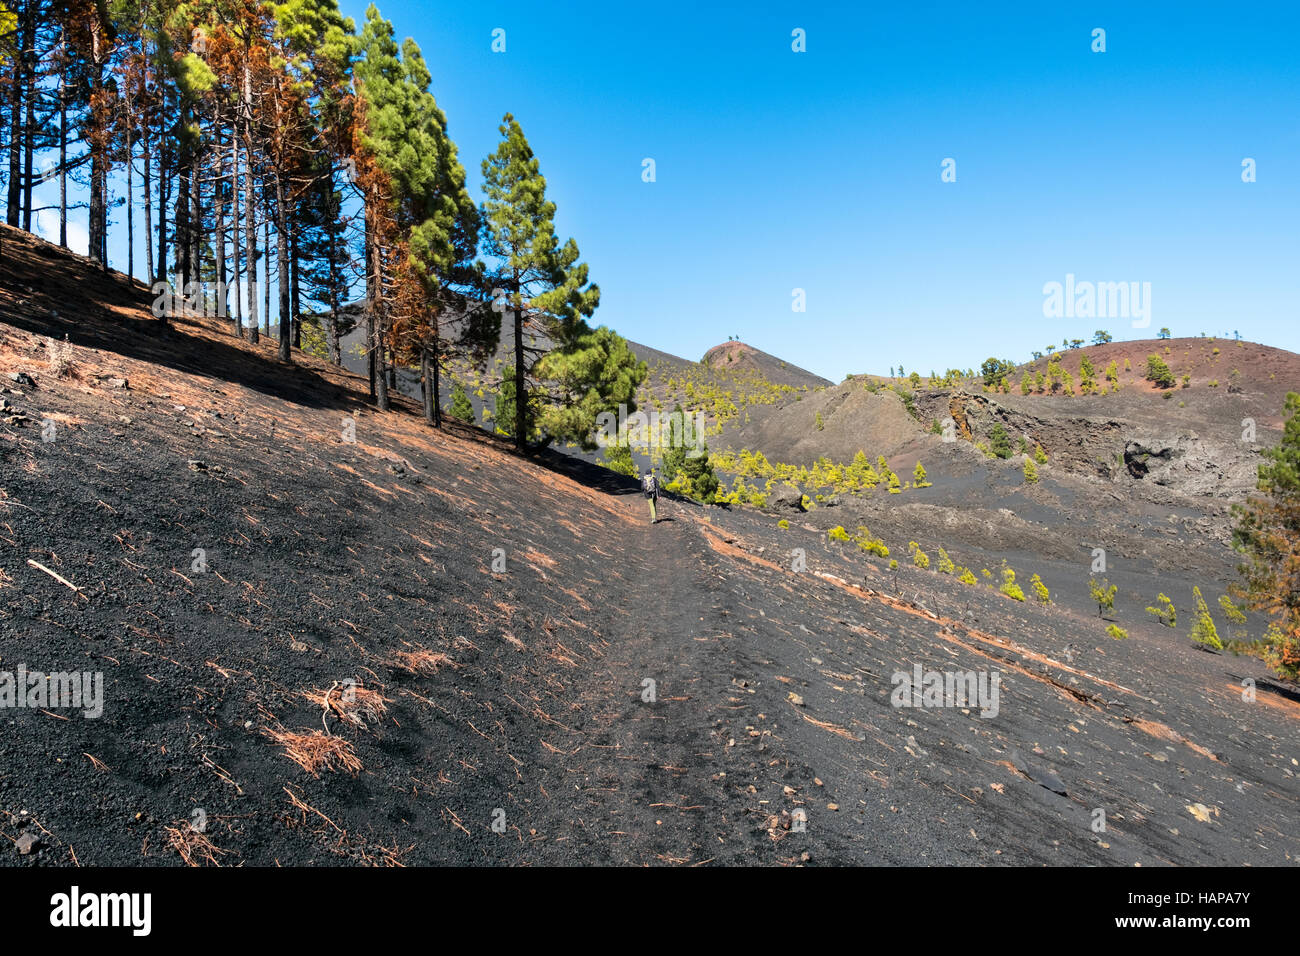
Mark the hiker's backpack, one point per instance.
(651, 485)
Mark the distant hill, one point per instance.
(738, 355)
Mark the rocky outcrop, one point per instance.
(1190, 465)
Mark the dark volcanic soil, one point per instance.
(354, 596)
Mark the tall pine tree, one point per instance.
(546, 289)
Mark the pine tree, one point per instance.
(461, 407)
(1267, 535)
(1203, 631)
(694, 472)
(547, 291)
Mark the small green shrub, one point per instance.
(1203, 631)
(1009, 586)
(1103, 593)
(1164, 611)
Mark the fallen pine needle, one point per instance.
(54, 574)
(96, 762)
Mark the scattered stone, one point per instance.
(197, 465)
(785, 497)
(796, 699)
(22, 378)
(27, 843)
(115, 382)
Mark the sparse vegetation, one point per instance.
(1103, 595)
(999, 442)
(1041, 593)
(1009, 586)
(1164, 611)
(1203, 631)
(1159, 373)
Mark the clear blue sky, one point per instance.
(821, 170)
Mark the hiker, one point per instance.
(650, 485)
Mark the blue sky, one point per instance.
(821, 170)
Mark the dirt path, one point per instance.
(647, 775)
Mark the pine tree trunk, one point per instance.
(282, 264)
(332, 259)
(426, 385)
(437, 383)
(130, 188)
(219, 215)
(164, 184)
(521, 391)
(380, 343)
(250, 205)
(266, 260)
(234, 223)
(295, 303)
(98, 250)
(29, 129)
(145, 172)
(14, 211)
(196, 225)
(335, 347)
(372, 302)
(63, 164)
(184, 270)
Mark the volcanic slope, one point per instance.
(347, 673)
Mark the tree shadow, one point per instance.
(46, 290)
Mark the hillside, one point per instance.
(355, 678)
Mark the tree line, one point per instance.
(277, 135)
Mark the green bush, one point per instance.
(461, 407)
(1103, 593)
(1009, 586)
(1203, 631)
(1159, 373)
(1117, 632)
(871, 545)
(1164, 610)
(919, 557)
(999, 442)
